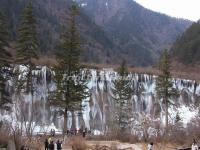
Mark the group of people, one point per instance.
(81, 131)
(50, 145)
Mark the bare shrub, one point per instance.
(128, 138)
(193, 128)
(35, 144)
(4, 138)
(78, 143)
(113, 146)
(104, 147)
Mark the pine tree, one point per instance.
(122, 96)
(27, 45)
(5, 61)
(27, 52)
(164, 85)
(71, 87)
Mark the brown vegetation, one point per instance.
(78, 143)
(4, 138)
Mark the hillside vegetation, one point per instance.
(187, 48)
(109, 30)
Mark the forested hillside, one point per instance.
(109, 30)
(187, 48)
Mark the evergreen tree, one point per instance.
(5, 61)
(164, 85)
(27, 52)
(122, 96)
(27, 45)
(71, 86)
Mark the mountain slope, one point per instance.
(187, 48)
(111, 30)
(51, 17)
(140, 33)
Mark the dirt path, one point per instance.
(119, 145)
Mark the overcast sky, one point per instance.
(188, 9)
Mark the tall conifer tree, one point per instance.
(164, 85)
(27, 52)
(27, 45)
(71, 87)
(5, 61)
(122, 96)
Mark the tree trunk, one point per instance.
(73, 121)
(167, 114)
(65, 122)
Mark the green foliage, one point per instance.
(138, 35)
(5, 98)
(164, 84)
(122, 96)
(187, 48)
(71, 86)
(27, 48)
(27, 45)
(5, 60)
(27, 52)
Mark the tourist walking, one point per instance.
(51, 146)
(46, 144)
(59, 145)
(150, 146)
(49, 140)
(22, 148)
(194, 145)
(84, 133)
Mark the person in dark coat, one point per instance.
(46, 144)
(84, 133)
(22, 148)
(59, 145)
(51, 146)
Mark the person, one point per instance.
(55, 145)
(51, 146)
(150, 146)
(59, 145)
(49, 140)
(22, 147)
(194, 145)
(46, 144)
(52, 132)
(84, 133)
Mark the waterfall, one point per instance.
(99, 107)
